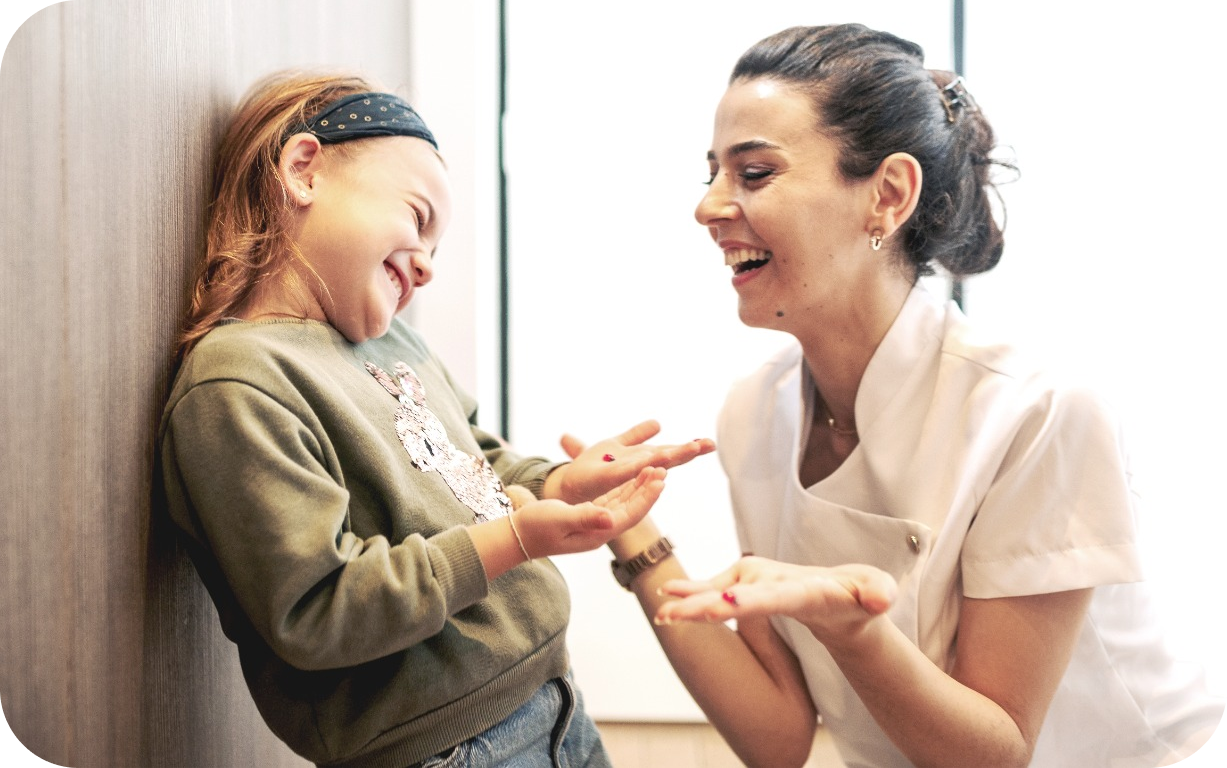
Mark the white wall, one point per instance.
(454, 55)
(1115, 264)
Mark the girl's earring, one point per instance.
(875, 240)
(302, 193)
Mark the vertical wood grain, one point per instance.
(112, 651)
(37, 596)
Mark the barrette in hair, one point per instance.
(955, 94)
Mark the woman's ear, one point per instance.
(896, 188)
(301, 158)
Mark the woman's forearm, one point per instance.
(747, 682)
(929, 716)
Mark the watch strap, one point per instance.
(626, 570)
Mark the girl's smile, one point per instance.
(369, 228)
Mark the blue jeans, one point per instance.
(550, 730)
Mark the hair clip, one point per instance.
(955, 94)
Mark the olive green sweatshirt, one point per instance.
(367, 630)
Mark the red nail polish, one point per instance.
(608, 457)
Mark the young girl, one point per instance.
(366, 545)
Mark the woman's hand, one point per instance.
(605, 465)
(834, 603)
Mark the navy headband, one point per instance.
(363, 115)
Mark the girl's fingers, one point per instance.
(519, 496)
(647, 483)
(594, 518)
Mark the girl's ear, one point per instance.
(301, 158)
(896, 190)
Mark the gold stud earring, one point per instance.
(875, 240)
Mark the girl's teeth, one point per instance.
(395, 280)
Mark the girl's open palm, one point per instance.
(552, 527)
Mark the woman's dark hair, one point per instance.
(874, 97)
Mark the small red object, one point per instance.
(608, 457)
(729, 597)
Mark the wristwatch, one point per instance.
(625, 572)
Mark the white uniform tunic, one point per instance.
(975, 476)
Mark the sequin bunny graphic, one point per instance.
(470, 477)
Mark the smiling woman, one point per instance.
(945, 533)
(830, 250)
(778, 196)
(1091, 128)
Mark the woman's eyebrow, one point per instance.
(745, 146)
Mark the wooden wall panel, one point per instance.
(112, 654)
(34, 603)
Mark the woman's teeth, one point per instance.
(741, 259)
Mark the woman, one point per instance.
(945, 566)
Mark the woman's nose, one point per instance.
(715, 205)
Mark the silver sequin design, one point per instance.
(470, 477)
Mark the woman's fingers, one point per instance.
(831, 597)
(572, 445)
(641, 432)
(669, 456)
(874, 589)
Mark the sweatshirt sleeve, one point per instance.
(250, 480)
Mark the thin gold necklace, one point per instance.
(830, 417)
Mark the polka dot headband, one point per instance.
(363, 115)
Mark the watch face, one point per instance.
(619, 572)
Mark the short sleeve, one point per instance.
(1060, 513)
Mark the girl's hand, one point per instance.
(605, 465)
(834, 603)
(553, 527)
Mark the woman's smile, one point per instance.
(744, 259)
